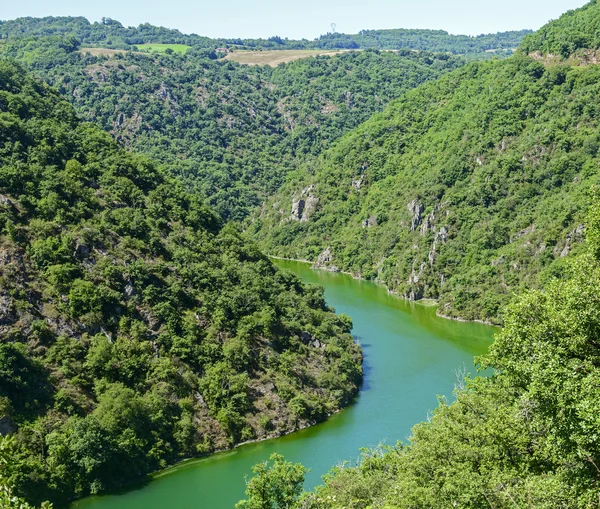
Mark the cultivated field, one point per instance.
(161, 48)
(276, 57)
(101, 52)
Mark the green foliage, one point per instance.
(525, 437)
(275, 486)
(426, 40)
(465, 190)
(231, 133)
(8, 500)
(138, 330)
(578, 29)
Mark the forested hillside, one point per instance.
(230, 132)
(500, 44)
(136, 329)
(466, 190)
(112, 34)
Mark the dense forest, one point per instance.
(139, 327)
(230, 132)
(426, 40)
(112, 34)
(136, 328)
(466, 190)
(576, 30)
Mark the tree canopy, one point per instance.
(136, 328)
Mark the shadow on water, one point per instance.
(366, 366)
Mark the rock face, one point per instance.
(575, 236)
(82, 251)
(370, 222)
(303, 206)
(7, 426)
(440, 236)
(6, 309)
(324, 261)
(416, 209)
(357, 184)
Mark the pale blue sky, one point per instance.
(306, 18)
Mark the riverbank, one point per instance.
(404, 346)
(420, 302)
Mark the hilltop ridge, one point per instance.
(111, 33)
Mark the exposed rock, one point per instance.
(7, 426)
(7, 203)
(414, 276)
(427, 223)
(304, 205)
(298, 209)
(315, 343)
(82, 251)
(306, 337)
(309, 207)
(502, 146)
(526, 231)
(6, 309)
(129, 290)
(440, 236)
(416, 209)
(498, 261)
(370, 222)
(573, 236)
(324, 261)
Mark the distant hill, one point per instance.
(111, 33)
(230, 132)
(426, 40)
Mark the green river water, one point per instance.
(411, 356)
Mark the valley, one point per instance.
(158, 345)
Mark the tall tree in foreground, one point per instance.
(8, 499)
(275, 486)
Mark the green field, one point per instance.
(162, 48)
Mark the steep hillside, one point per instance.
(230, 132)
(135, 329)
(465, 190)
(488, 149)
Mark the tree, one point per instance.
(8, 500)
(275, 486)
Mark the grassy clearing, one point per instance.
(276, 57)
(162, 48)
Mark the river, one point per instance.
(411, 356)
